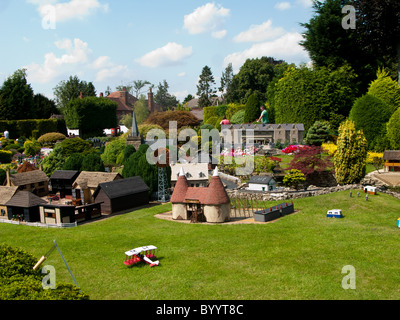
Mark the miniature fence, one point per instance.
(42, 225)
(245, 207)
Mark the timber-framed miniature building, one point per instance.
(210, 204)
(392, 160)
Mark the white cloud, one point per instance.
(77, 54)
(171, 54)
(305, 3)
(111, 72)
(68, 10)
(206, 18)
(286, 47)
(182, 74)
(283, 5)
(219, 34)
(259, 33)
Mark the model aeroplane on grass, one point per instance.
(141, 254)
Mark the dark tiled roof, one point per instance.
(122, 187)
(260, 179)
(25, 199)
(24, 178)
(65, 174)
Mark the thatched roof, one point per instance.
(391, 155)
(24, 178)
(87, 179)
(6, 193)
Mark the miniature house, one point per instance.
(122, 194)
(61, 181)
(196, 173)
(35, 181)
(392, 160)
(87, 182)
(192, 203)
(262, 183)
(24, 205)
(6, 193)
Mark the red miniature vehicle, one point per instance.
(140, 254)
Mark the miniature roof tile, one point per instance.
(122, 187)
(24, 178)
(6, 193)
(25, 199)
(181, 187)
(93, 179)
(391, 155)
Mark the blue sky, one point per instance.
(113, 42)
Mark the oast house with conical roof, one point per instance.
(213, 202)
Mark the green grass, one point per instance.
(298, 257)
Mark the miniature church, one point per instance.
(134, 139)
(210, 204)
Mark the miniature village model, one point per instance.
(207, 204)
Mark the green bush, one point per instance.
(393, 130)
(74, 162)
(92, 162)
(209, 112)
(112, 150)
(5, 156)
(32, 148)
(294, 178)
(385, 88)
(238, 117)
(51, 138)
(211, 121)
(32, 128)
(232, 109)
(252, 109)
(318, 134)
(18, 280)
(75, 145)
(370, 114)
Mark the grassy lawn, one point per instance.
(298, 257)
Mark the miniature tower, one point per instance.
(134, 139)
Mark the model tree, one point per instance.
(351, 156)
(393, 130)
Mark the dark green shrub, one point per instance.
(92, 162)
(5, 156)
(74, 162)
(252, 109)
(51, 138)
(75, 145)
(238, 117)
(318, 134)
(393, 130)
(370, 114)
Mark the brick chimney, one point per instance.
(81, 95)
(151, 101)
(101, 95)
(124, 95)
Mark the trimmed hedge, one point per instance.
(33, 128)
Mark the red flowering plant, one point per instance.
(310, 160)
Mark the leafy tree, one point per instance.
(74, 162)
(91, 115)
(252, 109)
(226, 80)
(32, 148)
(379, 28)
(294, 178)
(370, 115)
(318, 134)
(330, 45)
(205, 87)
(163, 98)
(44, 107)
(306, 95)
(16, 98)
(71, 89)
(112, 150)
(92, 162)
(138, 85)
(385, 88)
(393, 130)
(54, 161)
(254, 77)
(351, 155)
(188, 98)
(141, 110)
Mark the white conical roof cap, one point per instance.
(216, 173)
(182, 173)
